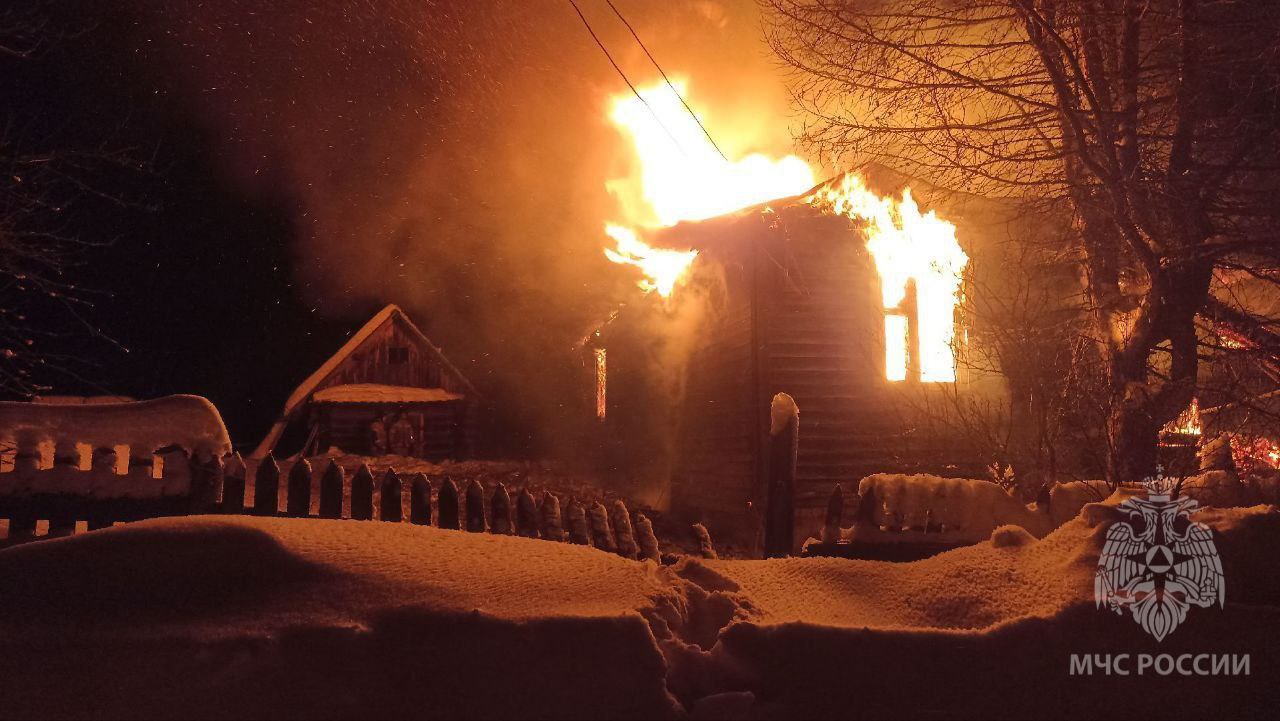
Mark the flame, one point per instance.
(1187, 422)
(908, 246)
(662, 268)
(683, 177)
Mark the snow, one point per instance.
(239, 616)
(191, 422)
(781, 411)
(961, 510)
(377, 393)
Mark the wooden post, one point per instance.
(705, 548)
(624, 537)
(298, 501)
(420, 500)
(784, 445)
(22, 526)
(447, 505)
(66, 464)
(206, 482)
(526, 515)
(646, 540)
(601, 536)
(500, 511)
(331, 484)
(868, 508)
(475, 507)
(552, 525)
(578, 532)
(362, 494)
(103, 468)
(266, 486)
(233, 477)
(835, 513)
(391, 505)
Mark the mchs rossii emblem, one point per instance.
(1159, 563)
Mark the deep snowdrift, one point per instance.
(231, 616)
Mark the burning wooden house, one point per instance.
(844, 298)
(389, 389)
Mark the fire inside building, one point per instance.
(846, 298)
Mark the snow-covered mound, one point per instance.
(234, 617)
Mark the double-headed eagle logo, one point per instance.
(1159, 563)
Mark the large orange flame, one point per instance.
(683, 177)
(908, 246)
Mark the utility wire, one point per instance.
(667, 79)
(639, 97)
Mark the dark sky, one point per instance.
(312, 161)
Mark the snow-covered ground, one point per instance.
(238, 616)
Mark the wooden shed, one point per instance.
(389, 389)
(791, 303)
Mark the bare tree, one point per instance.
(40, 188)
(1152, 124)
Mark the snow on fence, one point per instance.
(98, 464)
(932, 514)
(70, 468)
(443, 504)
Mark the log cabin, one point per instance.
(786, 297)
(388, 390)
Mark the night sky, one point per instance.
(306, 163)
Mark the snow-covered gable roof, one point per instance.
(379, 393)
(390, 314)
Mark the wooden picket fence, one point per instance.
(178, 484)
(444, 505)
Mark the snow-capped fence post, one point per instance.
(500, 511)
(867, 507)
(234, 474)
(266, 486)
(601, 536)
(835, 514)
(362, 494)
(578, 532)
(784, 446)
(390, 507)
(706, 549)
(331, 491)
(526, 515)
(447, 505)
(206, 481)
(103, 465)
(298, 501)
(420, 500)
(475, 507)
(623, 535)
(552, 526)
(22, 523)
(66, 462)
(646, 540)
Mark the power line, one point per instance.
(627, 80)
(667, 79)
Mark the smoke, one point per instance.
(452, 157)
